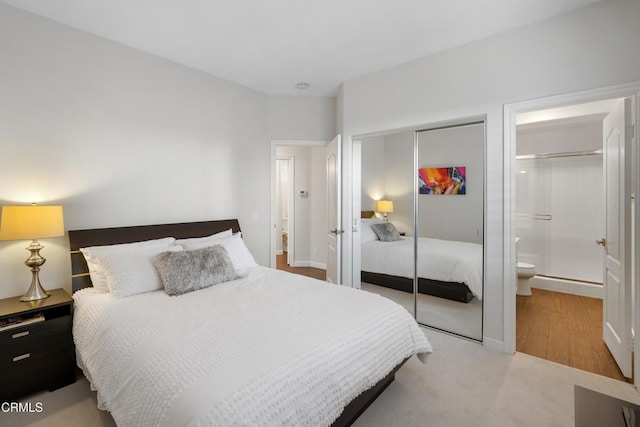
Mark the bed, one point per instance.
(267, 348)
(446, 269)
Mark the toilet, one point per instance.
(525, 272)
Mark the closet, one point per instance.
(434, 179)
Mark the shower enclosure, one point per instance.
(559, 200)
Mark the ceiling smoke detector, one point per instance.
(302, 85)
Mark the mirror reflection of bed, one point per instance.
(387, 268)
(448, 262)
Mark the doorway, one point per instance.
(568, 312)
(298, 207)
(285, 212)
(559, 218)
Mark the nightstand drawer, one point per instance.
(35, 339)
(37, 371)
(28, 360)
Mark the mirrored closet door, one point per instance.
(450, 228)
(422, 234)
(387, 203)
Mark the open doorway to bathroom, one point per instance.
(562, 213)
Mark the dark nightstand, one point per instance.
(37, 355)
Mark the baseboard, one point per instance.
(279, 252)
(299, 264)
(493, 344)
(567, 287)
(309, 264)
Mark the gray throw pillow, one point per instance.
(187, 271)
(386, 232)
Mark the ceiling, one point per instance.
(272, 45)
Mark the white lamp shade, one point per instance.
(384, 206)
(31, 222)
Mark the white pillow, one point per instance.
(238, 251)
(93, 255)
(211, 238)
(133, 272)
(366, 233)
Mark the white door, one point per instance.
(617, 314)
(334, 232)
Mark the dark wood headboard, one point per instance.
(367, 214)
(112, 236)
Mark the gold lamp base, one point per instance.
(35, 261)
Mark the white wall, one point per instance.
(400, 178)
(373, 172)
(119, 137)
(387, 173)
(302, 118)
(592, 47)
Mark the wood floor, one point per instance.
(566, 329)
(316, 273)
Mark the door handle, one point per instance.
(602, 242)
(336, 231)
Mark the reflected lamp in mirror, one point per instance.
(384, 207)
(32, 222)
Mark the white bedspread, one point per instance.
(268, 349)
(444, 260)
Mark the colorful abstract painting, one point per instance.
(436, 181)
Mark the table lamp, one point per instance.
(384, 206)
(32, 222)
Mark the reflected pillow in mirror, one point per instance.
(386, 232)
(367, 234)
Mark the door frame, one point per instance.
(272, 196)
(509, 231)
